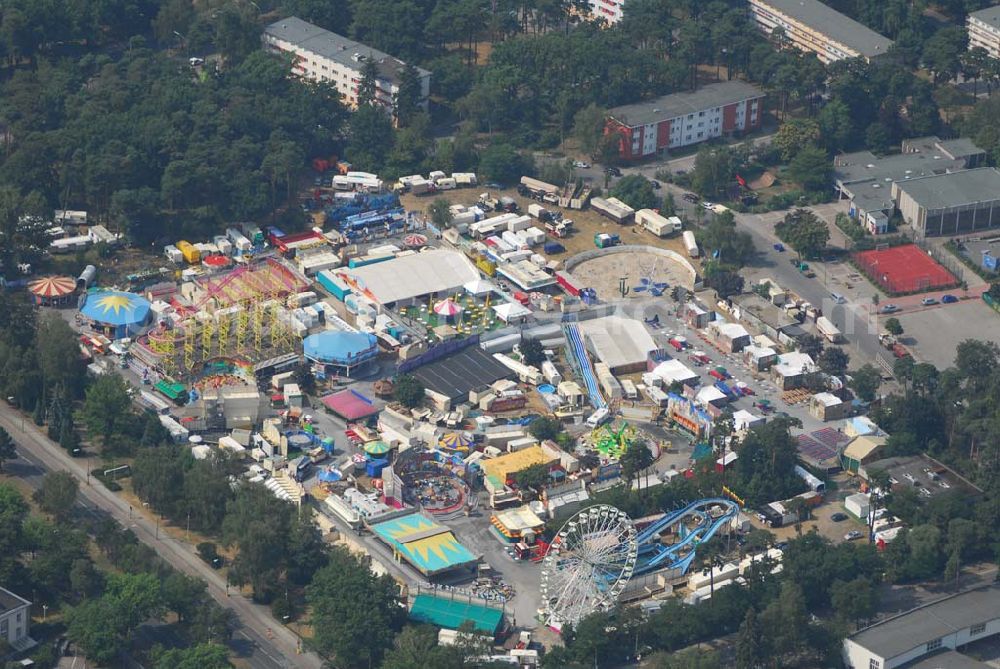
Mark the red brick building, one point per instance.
(682, 119)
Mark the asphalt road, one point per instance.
(853, 318)
(258, 639)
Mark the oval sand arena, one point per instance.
(644, 268)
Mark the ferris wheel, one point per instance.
(588, 564)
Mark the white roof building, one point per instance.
(674, 371)
(618, 342)
(744, 420)
(406, 278)
(795, 364)
(710, 395)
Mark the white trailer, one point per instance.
(612, 208)
(691, 244)
(464, 178)
(550, 373)
(629, 389)
(525, 373)
(537, 186)
(654, 222)
(828, 329)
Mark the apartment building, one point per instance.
(816, 28)
(322, 55)
(609, 10)
(15, 618)
(984, 30)
(682, 119)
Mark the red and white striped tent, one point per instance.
(51, 290)
(448, 308)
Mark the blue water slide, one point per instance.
(586, 368)
(654, 555)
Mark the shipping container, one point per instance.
(191, 255)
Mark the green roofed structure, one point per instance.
(425, 543)
(453, 612)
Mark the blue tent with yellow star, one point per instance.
(115, 313)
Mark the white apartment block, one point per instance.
(322, 55)
(609, 10)
(984, 30)
(15, 617)
(813, 27)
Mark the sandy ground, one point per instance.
(604, 273)
(586, 223)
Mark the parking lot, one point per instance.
(935, 332)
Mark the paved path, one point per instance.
(273, 645)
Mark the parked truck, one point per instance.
(691, 244)
(558, 229)
(828, 329)
(539, 212)
(537, 188)
(603, 240)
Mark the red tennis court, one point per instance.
(904, 269)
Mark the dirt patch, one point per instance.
(586, 223)
(604, 274)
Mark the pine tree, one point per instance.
(68, 438)
(38, 415)
(368, 88)
(409, 96)
(749, 650)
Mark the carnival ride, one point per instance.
(580, 359)
(692, 525)
(599, 549)
(241, 313)
(612, 441)
(588, 565)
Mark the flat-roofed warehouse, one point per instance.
(946, 624)
(951, 204)
(455, 375)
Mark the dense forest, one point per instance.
(101, 110)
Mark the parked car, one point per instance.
(655, 184)
(613, 171)
(889, 309)
(948, 299)
(779, 247)
(838, 517)
(928, 301)
(690, 197)
(852, 535)
(493, 184)
(707, 205)
(581, 164)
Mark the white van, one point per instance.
(599, 417)
(838, 298)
